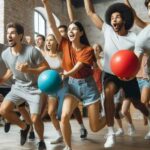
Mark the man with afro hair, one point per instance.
(119, 19)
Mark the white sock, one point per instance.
(111, 130)
(120, 129)
(58, 132)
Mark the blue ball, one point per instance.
(49, 81)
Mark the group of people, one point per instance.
(68, 51)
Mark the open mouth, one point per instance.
(115, 26)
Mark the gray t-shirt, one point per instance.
(142, 44)
(4, 69)
(28, 55)
(114, 43)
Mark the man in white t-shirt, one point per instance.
(119, 19)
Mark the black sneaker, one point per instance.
(83, 133)
(41, 145)
(23, 135)
(31, 135)
(6, 127)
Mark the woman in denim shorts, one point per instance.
(78, 58)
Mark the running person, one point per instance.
(24, 63)
(119, 20)
(78, 58)
(143, 74)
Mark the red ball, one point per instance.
(124, 64)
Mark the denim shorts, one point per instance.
(143, 83)
(84, 89)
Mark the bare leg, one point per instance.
(52, 107)
(43, 105)
(96, 123)
(145, 98)
(25, 115)
(38, 124)
(78, 116)
(6, 110)
(70, 103)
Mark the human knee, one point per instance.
(35, 118)
(109, 92)
(52, 115)
(64, 118)
(3, 110)
(94, 128)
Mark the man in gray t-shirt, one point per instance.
(24, 63)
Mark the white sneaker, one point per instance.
(119, 132)
(67, 148)
(110, 141)
(58, 140)
(131, 131)
(147, 136)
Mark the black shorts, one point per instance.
(4, 91)
(131, 88)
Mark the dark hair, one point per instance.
(83, 38)
(19, 28)
(63, 26)
(124, 10)
(42, 36)
(146, 3)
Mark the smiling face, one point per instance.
(51, 43)
(13, 38)
(74, 33)
(117, 21)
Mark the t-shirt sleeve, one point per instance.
(3, 55)
(37, 57)
(87, 57)
(142, 43)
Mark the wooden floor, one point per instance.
(95, 141)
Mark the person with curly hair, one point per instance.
(119, 19)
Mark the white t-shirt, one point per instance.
(142, 43)
(114, 43)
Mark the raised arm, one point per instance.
(91, 13)
(138, 21)
(70, 10)
(51, 20)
